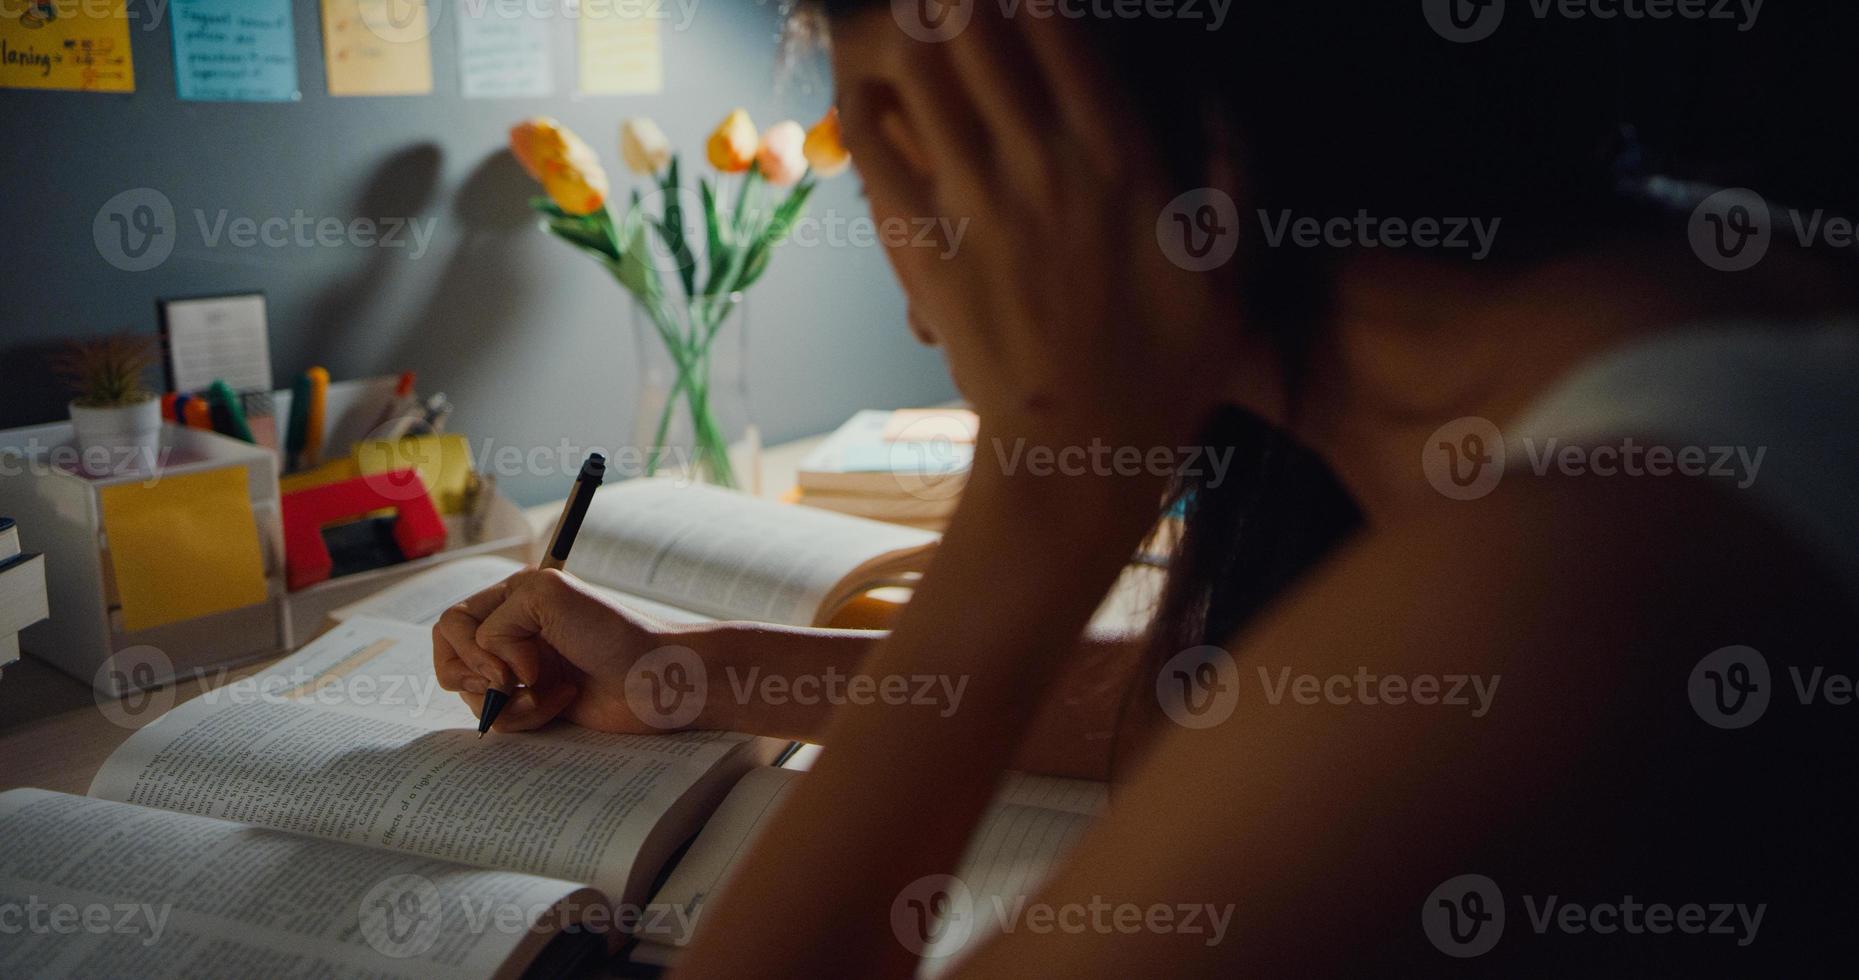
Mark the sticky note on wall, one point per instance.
(183, 546)
(503, 50)
(234, 50)
(57, 44)
(377, 47)
(620, 52)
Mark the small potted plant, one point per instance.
(117, 420)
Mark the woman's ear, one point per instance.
(869, 75)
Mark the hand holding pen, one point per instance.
(593, 472)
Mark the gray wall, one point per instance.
(531, 340)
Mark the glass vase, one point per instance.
(693, 419)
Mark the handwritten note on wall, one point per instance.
(377, 47)
(57, 44)
(503, 50)
(620, 52)
(234, 50)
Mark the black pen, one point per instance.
(573, 513)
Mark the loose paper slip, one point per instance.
(377, 47)
(502, 51)
(620, 53)
(234, 50)
(183, 546)
(55, 44)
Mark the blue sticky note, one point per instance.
(234, 50)
(503, 51)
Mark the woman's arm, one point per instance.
(785, 682)
(1306, 833)
(1012, 587)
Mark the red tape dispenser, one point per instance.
(418, 531)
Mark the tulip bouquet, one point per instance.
(650, 242)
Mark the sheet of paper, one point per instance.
(183, 546)
(234, 51)
(191, 896)
(377, 47)
(620, 51)
(218, 338)
(58, 44)
(503, 50)
(351, 739)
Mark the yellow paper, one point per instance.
(63, 45)
(620, 52)
(377, 47)
(443, 463)
(183, 546)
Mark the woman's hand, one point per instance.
(569, 648)
(1063, 319)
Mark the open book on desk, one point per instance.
(337, 815)
(688, 553)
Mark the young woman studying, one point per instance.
(1577, 470)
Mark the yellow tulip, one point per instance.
(732, 147)
(825, 149)
(644, 146)
(780, 156)
(576, 190)
(567, 167)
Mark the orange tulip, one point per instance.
(732, 147)
(567, 167)
(780, 156)
(825, 149)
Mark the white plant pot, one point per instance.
(118, 439)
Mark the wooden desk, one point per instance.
(55, 733)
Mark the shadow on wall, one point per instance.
(405, 184)
(482, 293)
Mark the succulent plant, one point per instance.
(107, 372)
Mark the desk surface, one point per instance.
(55, 735)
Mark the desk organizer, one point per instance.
(64, 514)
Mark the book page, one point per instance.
(726, 554)
(103, 890)
(351, 740)
(422, 599)
(1017, 843)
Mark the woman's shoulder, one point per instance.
(1766, 414)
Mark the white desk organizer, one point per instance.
(60, 513)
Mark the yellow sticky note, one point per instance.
(443, 463)
(620, 53)
(63, 45)
(377, 47)
(183, 546)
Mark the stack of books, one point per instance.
(906, 466)
(22, 591)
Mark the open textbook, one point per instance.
(336, 815)
(684, 553)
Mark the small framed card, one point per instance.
(221, 338)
